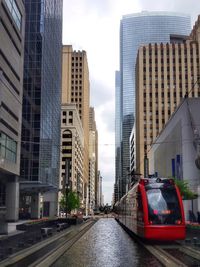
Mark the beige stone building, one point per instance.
(76, 89)
(12, 30)
(165, 74)
(72, 148)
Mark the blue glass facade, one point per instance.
(42, 95)
(135, 30)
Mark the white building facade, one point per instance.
(175, 152)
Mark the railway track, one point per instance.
(175, 255)
(48, 251)
(170, 255)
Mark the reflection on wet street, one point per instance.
(106, 244)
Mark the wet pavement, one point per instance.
(106, 244)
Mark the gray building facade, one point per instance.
(12, 16)
(41, 108)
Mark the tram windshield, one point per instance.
(163, 206)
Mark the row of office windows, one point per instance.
(75, 88)
(180, 60)
(168, 68)
(76, 64)
(65, 113)
(77, 81)
(76, 58)
(76, 70)
(76, 94)
(167, 94)
(176, 48)
(70, 121)
(8, 148)
(174, 77)
(179, 79)
(77, 76)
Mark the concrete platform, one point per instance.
(12, 229)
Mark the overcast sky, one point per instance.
(93, 26)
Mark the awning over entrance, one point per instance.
(36, 187)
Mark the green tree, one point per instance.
(185, 191)
(69, 201)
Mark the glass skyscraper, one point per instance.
(41, 104)
(135, 30)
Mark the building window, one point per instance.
(66, 151)
(2, 194)
(8, 148)
(14, 10)
(67, 144)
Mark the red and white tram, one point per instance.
(153, 210)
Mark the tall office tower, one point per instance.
(12, 14)
(76, 89)
(137, 29)
(40, 149)
(93, 160)
(165, 74)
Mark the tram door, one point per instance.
(140, 215)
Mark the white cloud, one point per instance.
(190, 7)
(93, 26)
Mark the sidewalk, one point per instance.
(17, 240)
(12, 229)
